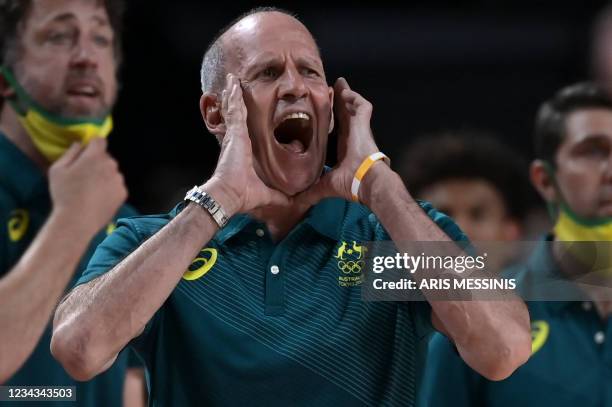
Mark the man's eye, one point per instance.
(311, 72)
(102, 40)
(477, 213)
(270, 73)
(595, 150)
(59, 38)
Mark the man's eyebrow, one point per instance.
(592, 138)
(100, 20)
(70, 16)
(62, 17)
(311, 61)
(261, 62)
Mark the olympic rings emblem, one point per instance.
(351, 266)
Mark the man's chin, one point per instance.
(84, 112)
(296, 185)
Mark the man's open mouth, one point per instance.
(84, 90)
(294, 132)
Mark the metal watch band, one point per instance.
(200, 197)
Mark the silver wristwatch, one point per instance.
(197, 195)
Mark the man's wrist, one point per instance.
(65, 217)
(378, 179)
(222, 195)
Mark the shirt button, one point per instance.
(586, 306)
(259, 232)
(274, 269)
(599, 337)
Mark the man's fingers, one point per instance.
(225, 94)
(345, 94)
(236, 111)
(70, 155)
(223, 103)
(341, 84)
(95, 147)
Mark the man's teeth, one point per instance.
(86, 90)
(299, 115)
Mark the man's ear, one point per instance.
(542, 180)
(331, 119)
(210, 108)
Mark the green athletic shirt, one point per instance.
(570, 365)
(259, 323)
(25, 205)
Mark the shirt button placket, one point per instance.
(275, 288)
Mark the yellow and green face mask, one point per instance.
(589, 239)
(52, 134)
(571, 227)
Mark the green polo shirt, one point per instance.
(257, 323)
(571, 363)
(25, 204)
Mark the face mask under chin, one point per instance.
(53, 134)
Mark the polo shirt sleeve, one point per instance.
(447, 380)
(444, 222)
(117, 246)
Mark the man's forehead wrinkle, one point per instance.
(40, 16)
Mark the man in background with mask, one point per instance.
(571, 348)
(60, 190)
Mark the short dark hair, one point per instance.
(212, 73)
(550, 120)
(468, 155)
(13, 12)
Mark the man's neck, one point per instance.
(280, 220)
(14, 131)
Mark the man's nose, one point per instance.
(292, 85)
(84, 54)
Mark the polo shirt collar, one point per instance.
(235, 225)
(327, 217)
(29, 179)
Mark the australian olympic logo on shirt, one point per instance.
(350, 261)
